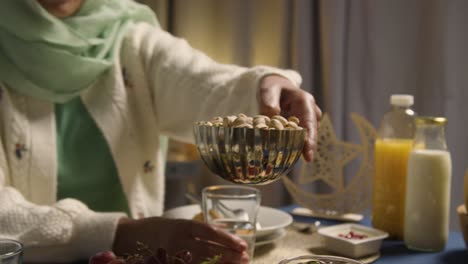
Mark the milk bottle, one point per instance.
(428, 187)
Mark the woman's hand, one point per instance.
(201, 240)
(279, 95)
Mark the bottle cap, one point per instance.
(402, 100)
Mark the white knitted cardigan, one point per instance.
(158, 86)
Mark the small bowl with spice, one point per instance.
(352, 240)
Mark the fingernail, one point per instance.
(242, 245)
(310, 155)
(245, 257)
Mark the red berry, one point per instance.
(151, 260)
(102, 258)
(162, 256)
(184, 255)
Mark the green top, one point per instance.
(86, 170)
(55, 59)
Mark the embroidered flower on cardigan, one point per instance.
(147, 167)
(19, 150)
(126, 79)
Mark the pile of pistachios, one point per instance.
(276, 122)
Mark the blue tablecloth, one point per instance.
(395, 251)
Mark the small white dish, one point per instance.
(270, 238)
(352, 240)
(270, 219)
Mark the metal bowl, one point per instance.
(248, 155)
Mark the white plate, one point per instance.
(270, 238)
(270, 219)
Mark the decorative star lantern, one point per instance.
(331, 184)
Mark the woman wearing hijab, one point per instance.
(86, 90)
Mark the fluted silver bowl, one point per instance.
(248, 155)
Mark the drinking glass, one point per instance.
(11, 252)
(234, 209)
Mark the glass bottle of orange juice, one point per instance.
(392, 148)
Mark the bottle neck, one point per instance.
(430, 137)
(406, 109)
(397, 123)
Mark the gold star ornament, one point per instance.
(339, 179)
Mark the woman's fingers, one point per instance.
(311, 125)
(269, 100)
(318, 113)
(302, 104)
(206, 232)
(206, 249)
(277, 94)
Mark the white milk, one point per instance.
(428, 200)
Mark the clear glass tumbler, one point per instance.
(11, 252)
(234, 209)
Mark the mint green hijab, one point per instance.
(55, 59)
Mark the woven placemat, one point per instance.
(296, 244)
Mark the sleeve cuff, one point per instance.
(92, 232)
(95, 232)
(291, 75)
